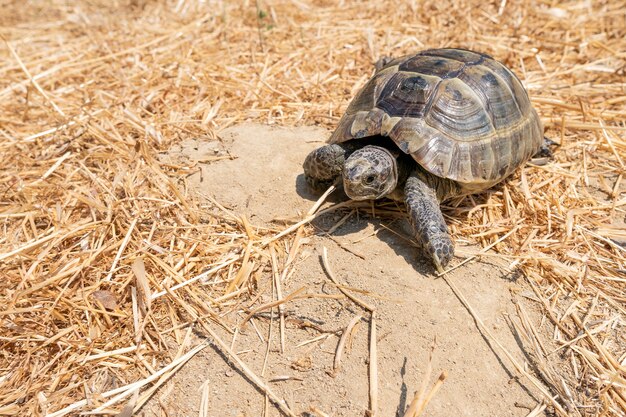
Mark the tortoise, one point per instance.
(428, 127)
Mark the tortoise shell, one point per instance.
(460, 114)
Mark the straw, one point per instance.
(92, 96)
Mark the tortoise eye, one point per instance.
(370, 179)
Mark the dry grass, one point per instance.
(105, 258)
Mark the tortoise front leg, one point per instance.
(324, 165)
(427, 220)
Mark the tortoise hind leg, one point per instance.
(545, 151)
(544, 154)
(323, 166)
(427, 220)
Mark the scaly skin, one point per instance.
(323, 166)
(422, 202)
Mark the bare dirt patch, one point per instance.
(414, 307)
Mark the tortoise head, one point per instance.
(370, 173)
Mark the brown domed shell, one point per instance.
(460, 114)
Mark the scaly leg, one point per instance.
(427, 221)
(324, 165)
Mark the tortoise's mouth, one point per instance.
(359, 192)
(360, 195)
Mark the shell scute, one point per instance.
(512, 82)
(406, 94)
(457, 113)
(495, 94)
(462, 55)
(432, 65)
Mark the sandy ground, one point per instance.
(414, 307)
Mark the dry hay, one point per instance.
(104, 254)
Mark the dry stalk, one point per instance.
(340, 287)
(85, 191)
(373, 367)
(342, 342)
